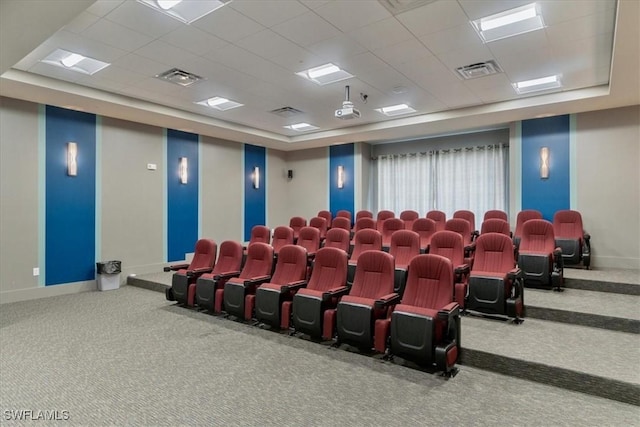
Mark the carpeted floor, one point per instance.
(128, 357)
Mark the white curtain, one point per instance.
(406, 182)
(473, 178)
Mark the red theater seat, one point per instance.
(539, 259)
(337, 238)
(327, 216)
(469, 216)
(289, 276)
(425, 326)
(382, 216)
(363, 240)
(439, 217)
(282, 236)
(296, 223)
(405, 245)
(571, 238)
(228, 265)
(449, 245)
(341, 222)
(321, 224)
(495, 214)
(409, 216)
(425, 228)
(257, 270)
(326, 285)
(495, 283)
(369, 299)
(183, 281)
(390, 226)
(521, 218)
(495, 225)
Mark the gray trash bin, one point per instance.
(108, 275)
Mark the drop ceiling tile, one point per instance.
(338, 47)
(141, 65)
(406, 51)
(476, 9)
(495, 81)
(494, 94)
(433, 17)
(590, 52)
(117, 75)
(456, 95)
(314, 4)
(306, 29)
(460, 37)
(267, 44)
(297, 59)
(165, 53)
(98, 82)
(194, 40)
(351, 15)
(269, 13)
(583, 27)
(384, 33)
(54, 72)
(157, 86)
(228, 24)
(527, 42)
(103, 7)
(528, 65)
(132, 14)
(81, 22)
(116, 35)
(554, 12)
(585, 78)
(361, 63)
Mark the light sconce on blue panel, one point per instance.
(255, 177)
(340, 177)
(544, 162)
(183, 170)
(72, 159)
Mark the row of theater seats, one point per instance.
(567, 227)
(422, 325)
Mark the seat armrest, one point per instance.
(387, 300)
(198, 271)
(256, 280)
(462, 269)
(335, 292)
(294, 286)
(226, 275)
(557, 253)
(175, 267)
(471, 247)
(450, 310)
(516, 273)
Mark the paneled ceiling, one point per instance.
(399, 51)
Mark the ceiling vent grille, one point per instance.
(286, 112)
(399, 6)
(480, 69)
(179, 77)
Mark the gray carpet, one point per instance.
(128, 357)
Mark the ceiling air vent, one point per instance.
(480, 69)
(399, 6)
(179, 77)
(286, 112)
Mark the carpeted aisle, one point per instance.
(128, 357)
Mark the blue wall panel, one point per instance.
(255, 200)
(182, 199)
(341, 198)
(552, 194)
(70, 201)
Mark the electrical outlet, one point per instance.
(152, 166)
(36, 271)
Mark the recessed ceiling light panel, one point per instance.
(186, 11)
(220, 103)
(302, 127)
(395, 110)
(325, 74)
(74, 62)
(509, 23)
(536, 85)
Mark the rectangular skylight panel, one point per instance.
(509, 23)
(535, 85)
(325, 74)
(301, 127)
(186, 11)
(395, 110)
(74, 62)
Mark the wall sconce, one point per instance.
(340, 177)
(256, 177)
(544, 162)
(72, 159)
(183, 170)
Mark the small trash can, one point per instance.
(108, 275)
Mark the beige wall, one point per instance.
(608, 184)
(18, 194)
(277, 200)
(308, 192)
(221, 189)
(132, 196)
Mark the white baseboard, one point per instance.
(47, 291)
(599, 261)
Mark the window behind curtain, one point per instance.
(473, 178)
